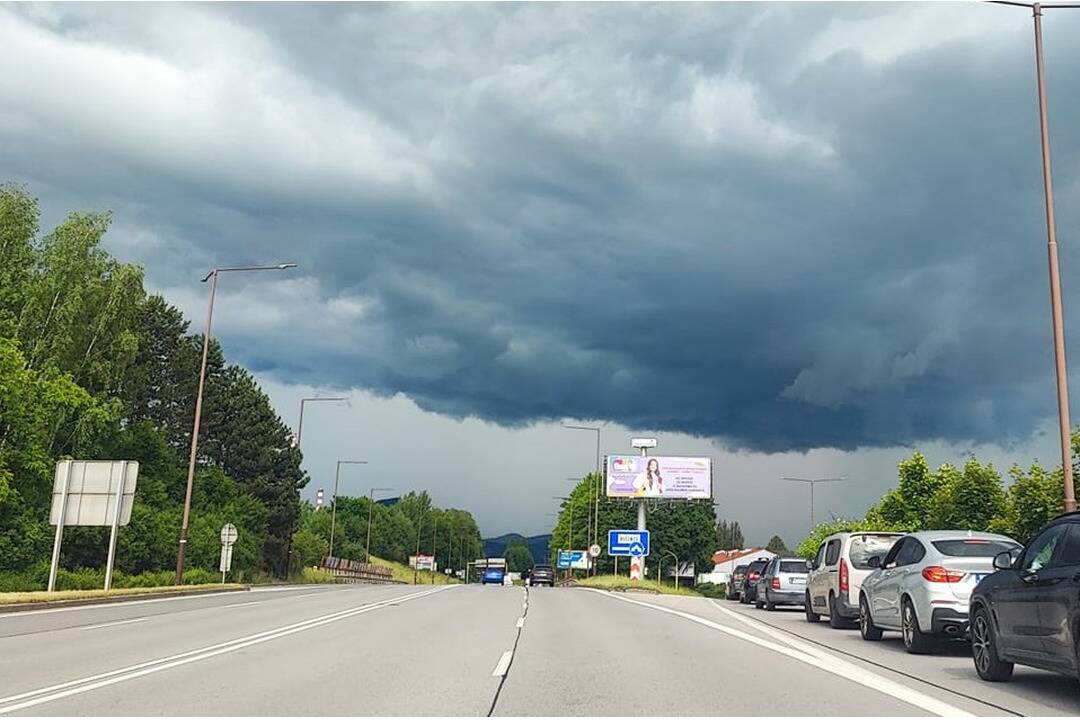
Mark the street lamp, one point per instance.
(333, 514)
(596, 491)
(371, 507)
(1056, 318)
(213, 277)
(300, 424)
(660, 568)
(812, 482)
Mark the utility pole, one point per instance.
(637, 562)
(371, 508)
(812, 482)
(333, 513)
(213, 277)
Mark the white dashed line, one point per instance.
(112, 624)
(521, 622)
(503, 665)
(253, 602)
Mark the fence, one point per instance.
(356, 572)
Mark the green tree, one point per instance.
(776, 545)
(729, 536)
(968, 500)
(518, 556)
(1034, 498)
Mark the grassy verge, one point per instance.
(620, 582)
(404, 573)
(19, 598)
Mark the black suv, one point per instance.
(542, 575)
(1028, 612)
(734, 588)
(749, 583)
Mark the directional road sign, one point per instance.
(573, 559)
(632, 543)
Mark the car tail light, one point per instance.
(775, 583)
(753, 576)
(843, 575)
(936, 573)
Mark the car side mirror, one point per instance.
(809, 565)
(1003, 560)
(874, 561)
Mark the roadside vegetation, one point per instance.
(20, 598)
(623, 583)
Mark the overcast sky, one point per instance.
(802, 239)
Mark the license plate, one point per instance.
(798, 581)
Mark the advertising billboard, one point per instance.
(678, 478)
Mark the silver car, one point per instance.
(782, 582)
(922, 586)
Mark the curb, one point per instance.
(111, 599)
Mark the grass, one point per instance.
(404, 573)
(19, 598)
(621, 582)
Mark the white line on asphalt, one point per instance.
(503, 665)
(252, 602)
(112, 624)
(93, 682)
(824, 661)
(123, 603)
(307, 595)
(521, 622)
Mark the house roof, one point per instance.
(723, 556)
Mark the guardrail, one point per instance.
(351, 571)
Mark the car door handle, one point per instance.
(1030, 577)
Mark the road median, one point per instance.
(37, 600)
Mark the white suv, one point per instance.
(841, 564)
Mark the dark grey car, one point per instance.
(783, 582)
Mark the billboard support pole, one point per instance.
(59, 538)
(115, 524)
(640, 526)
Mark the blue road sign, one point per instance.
(572, 559)
(628, 543)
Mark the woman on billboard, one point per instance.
(652, 484)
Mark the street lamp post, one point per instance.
(595, 509)
(212, 276)
(371, 507)
(300, 424)
(333, 514)
(1056, 313)
(660, 568)
(812, 482)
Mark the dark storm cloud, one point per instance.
(783, 227)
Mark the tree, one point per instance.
(968, 500)
(518, 556)
(776, 546)
(908, 504)
(729, 536)
(1034, 498)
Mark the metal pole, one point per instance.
(115, 524)
(640, 525)
(434, 553)
(195, 434)
(59, 537)
(1056, 312)
(812, 484)
(300, 424)
(333, 513)
(416, 563)
(370, 509)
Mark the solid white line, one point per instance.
(503, 665)
(82, 685)
(821, 660)
(252, 602)
(112, 624)
(122, 603)
(521, 622)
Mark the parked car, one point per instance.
(922, 586)
(542, 575)
(837, 572)
(492, 576)
(749, 584)
(1028, 611)
(734, 586)
(782, 582)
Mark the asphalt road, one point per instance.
(402, 650)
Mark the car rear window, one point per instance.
(864, 547)
(758, 565)
(973, 547)
(542, 568)
(793, 566)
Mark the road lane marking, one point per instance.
(59, 691)
(112, 624)
(119, 603)
(821, 660)
(504, 663)
(521, 621)
(252, 602)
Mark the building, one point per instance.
(725, 561)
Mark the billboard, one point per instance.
(637, 476)
(422, 562)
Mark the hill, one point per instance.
(538, 545)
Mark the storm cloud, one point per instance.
(780, 227)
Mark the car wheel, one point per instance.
(808, 606)
(984, 649)
(769, 604)
(915, 640)
(836, 622)
(867, 628)
(759, 603)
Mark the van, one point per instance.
(837, 572)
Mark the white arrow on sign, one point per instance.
(637, 548)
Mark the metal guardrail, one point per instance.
(353, 571)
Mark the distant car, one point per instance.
(734, 586)
(492, 576)
(749, 583)
(837, 572)
(782, 582)
(1028, 612)
(542, 575)
(922, 586)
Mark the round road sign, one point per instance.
(228, 534)
(594, 550)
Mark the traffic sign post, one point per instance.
(228, 539)
(628, 543)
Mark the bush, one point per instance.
(712, 590)
(200, 576)
(315, 575)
